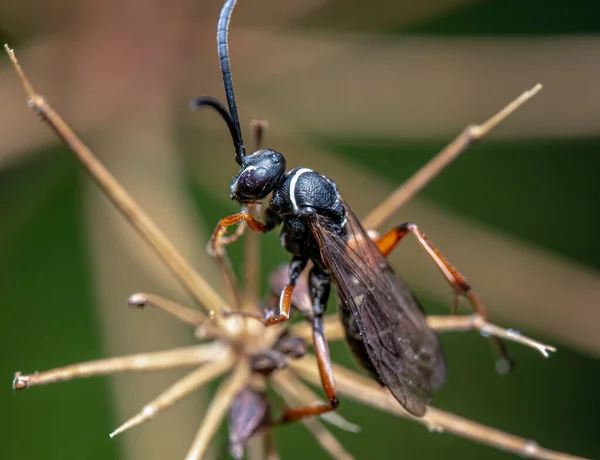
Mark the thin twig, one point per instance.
(229, 277)
(323, 436)
(178, 357)
(197, 286)
(252, 265)
(217, 409)
(270, 446)
(222, 258)
(367, 391)
(459, 323)
(255, 448)
(178, 390)
(422, 177)
(327, 441)
(182, 313)
(252, 241)
(476, 321)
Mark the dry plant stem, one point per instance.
(366, 391)
(251, 262)
(327, 441)
(270, 446)
(422, 177)
(182, 313)
(476, 321)
(217, 409)
(178, 357)
(200, 290)
(255, 448)
(227, 273)
(178, 390)
(323, 436)
(252, 265)
(252, 242)
(224, 262)
(231, 282)
(335, 331)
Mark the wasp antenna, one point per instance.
(223, 48)
(233, 130)
(230, 116)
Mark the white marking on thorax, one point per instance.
(297, 174)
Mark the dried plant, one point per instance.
(230, 342)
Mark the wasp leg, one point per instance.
(325, 371)
(281, 312)
(459, 284)
(218, 241)
(297, 266)
(239, 232)
(215, 246)
(320, 286)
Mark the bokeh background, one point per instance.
(364, 91)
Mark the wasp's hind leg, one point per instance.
(457, 281)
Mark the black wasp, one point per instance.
(384, 322)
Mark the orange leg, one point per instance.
(216, 243)
(388, 242)
(219, 240)
(282, 312)
(249, 414)
(320, 283)
(320, 345)
(239, 232)
(297, 265)
(326, 373)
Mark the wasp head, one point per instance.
(261, 173)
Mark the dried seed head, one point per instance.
(138, 300)
(20, 381)
(228, 353)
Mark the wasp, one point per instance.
(384, 322)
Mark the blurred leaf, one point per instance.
(514, 17)
(534, 189)
(459, 17)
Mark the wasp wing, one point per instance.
(403, 350)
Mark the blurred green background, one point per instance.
(366, 92)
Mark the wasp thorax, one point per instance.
(260, 174)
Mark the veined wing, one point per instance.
(404, 351)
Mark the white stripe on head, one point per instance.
(297, 174)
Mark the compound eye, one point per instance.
(253, 179)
